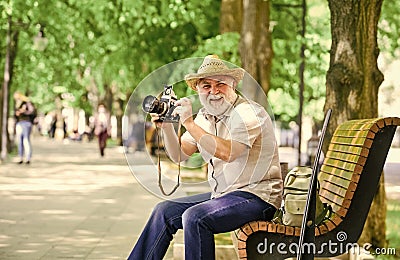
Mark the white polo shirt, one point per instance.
(257, 169)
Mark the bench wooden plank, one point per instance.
(341, 212)
(254, 226)
(335, 200)
(337, 172)
(346, 157)
(334, 188)
(392, 121)
(241, 244)
(366, 133)
(247, 229)
(335, 179)
(352, 141)
(356, 150)
(347, 166)
(272, 227)
(289, 231)
(242, 253)
(357, 125)
(336, 206)
(263, 226)
(330, 225)
(281, 229)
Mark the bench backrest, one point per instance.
(353, 144)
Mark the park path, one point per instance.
(70, 203)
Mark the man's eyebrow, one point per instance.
(205, 81)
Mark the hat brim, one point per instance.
(191, 79)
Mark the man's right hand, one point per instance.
(155, 117)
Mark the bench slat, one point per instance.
(334, 188)
(392, 121)
(331, 197)
(361, 142)
(346, 157)
(366, 133)
(357, 125)
(348, 149)
(344, 183)
(347, 166)
(337, 172)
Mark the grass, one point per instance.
(392, 229)
(223, 239)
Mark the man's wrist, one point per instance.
(189, 124)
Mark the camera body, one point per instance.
(163, 107)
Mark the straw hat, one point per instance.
(212, 66)
(19, 96)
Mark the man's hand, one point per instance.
(154, 119)
(184, 110)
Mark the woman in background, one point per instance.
(102, 127)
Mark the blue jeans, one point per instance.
(23, 130)
(201, 218)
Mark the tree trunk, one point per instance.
(251, 19)
(352, 84)
(256, 46)
(119, 112)
(11, 50)
(231, 16)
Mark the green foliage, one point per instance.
(389, 24)
(99, 46)
(392, 233)
(286, 39)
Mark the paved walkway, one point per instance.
(71, 203)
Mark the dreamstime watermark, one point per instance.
(332, 247)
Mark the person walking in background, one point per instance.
(102, 127)
(25, 114)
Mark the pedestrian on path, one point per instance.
(236, 137)
(102, 127)
(25, 114)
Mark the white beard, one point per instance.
(216, 105)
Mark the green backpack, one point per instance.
(296, 186)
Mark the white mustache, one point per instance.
(215, 97)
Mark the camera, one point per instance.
(163, 107)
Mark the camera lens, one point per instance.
(152, 105)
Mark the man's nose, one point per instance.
(214, 90)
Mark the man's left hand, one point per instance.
(184, 110)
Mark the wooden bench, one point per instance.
(349, 179)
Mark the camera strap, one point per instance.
(159, 163)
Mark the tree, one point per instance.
(102, 50)
(256, 45)
(352, 84)
(251, 20)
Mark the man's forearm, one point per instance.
(226, 150)
(171, 143)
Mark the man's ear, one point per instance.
(234, 85)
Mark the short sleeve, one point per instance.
(247, 122)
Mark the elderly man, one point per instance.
(236, 137)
